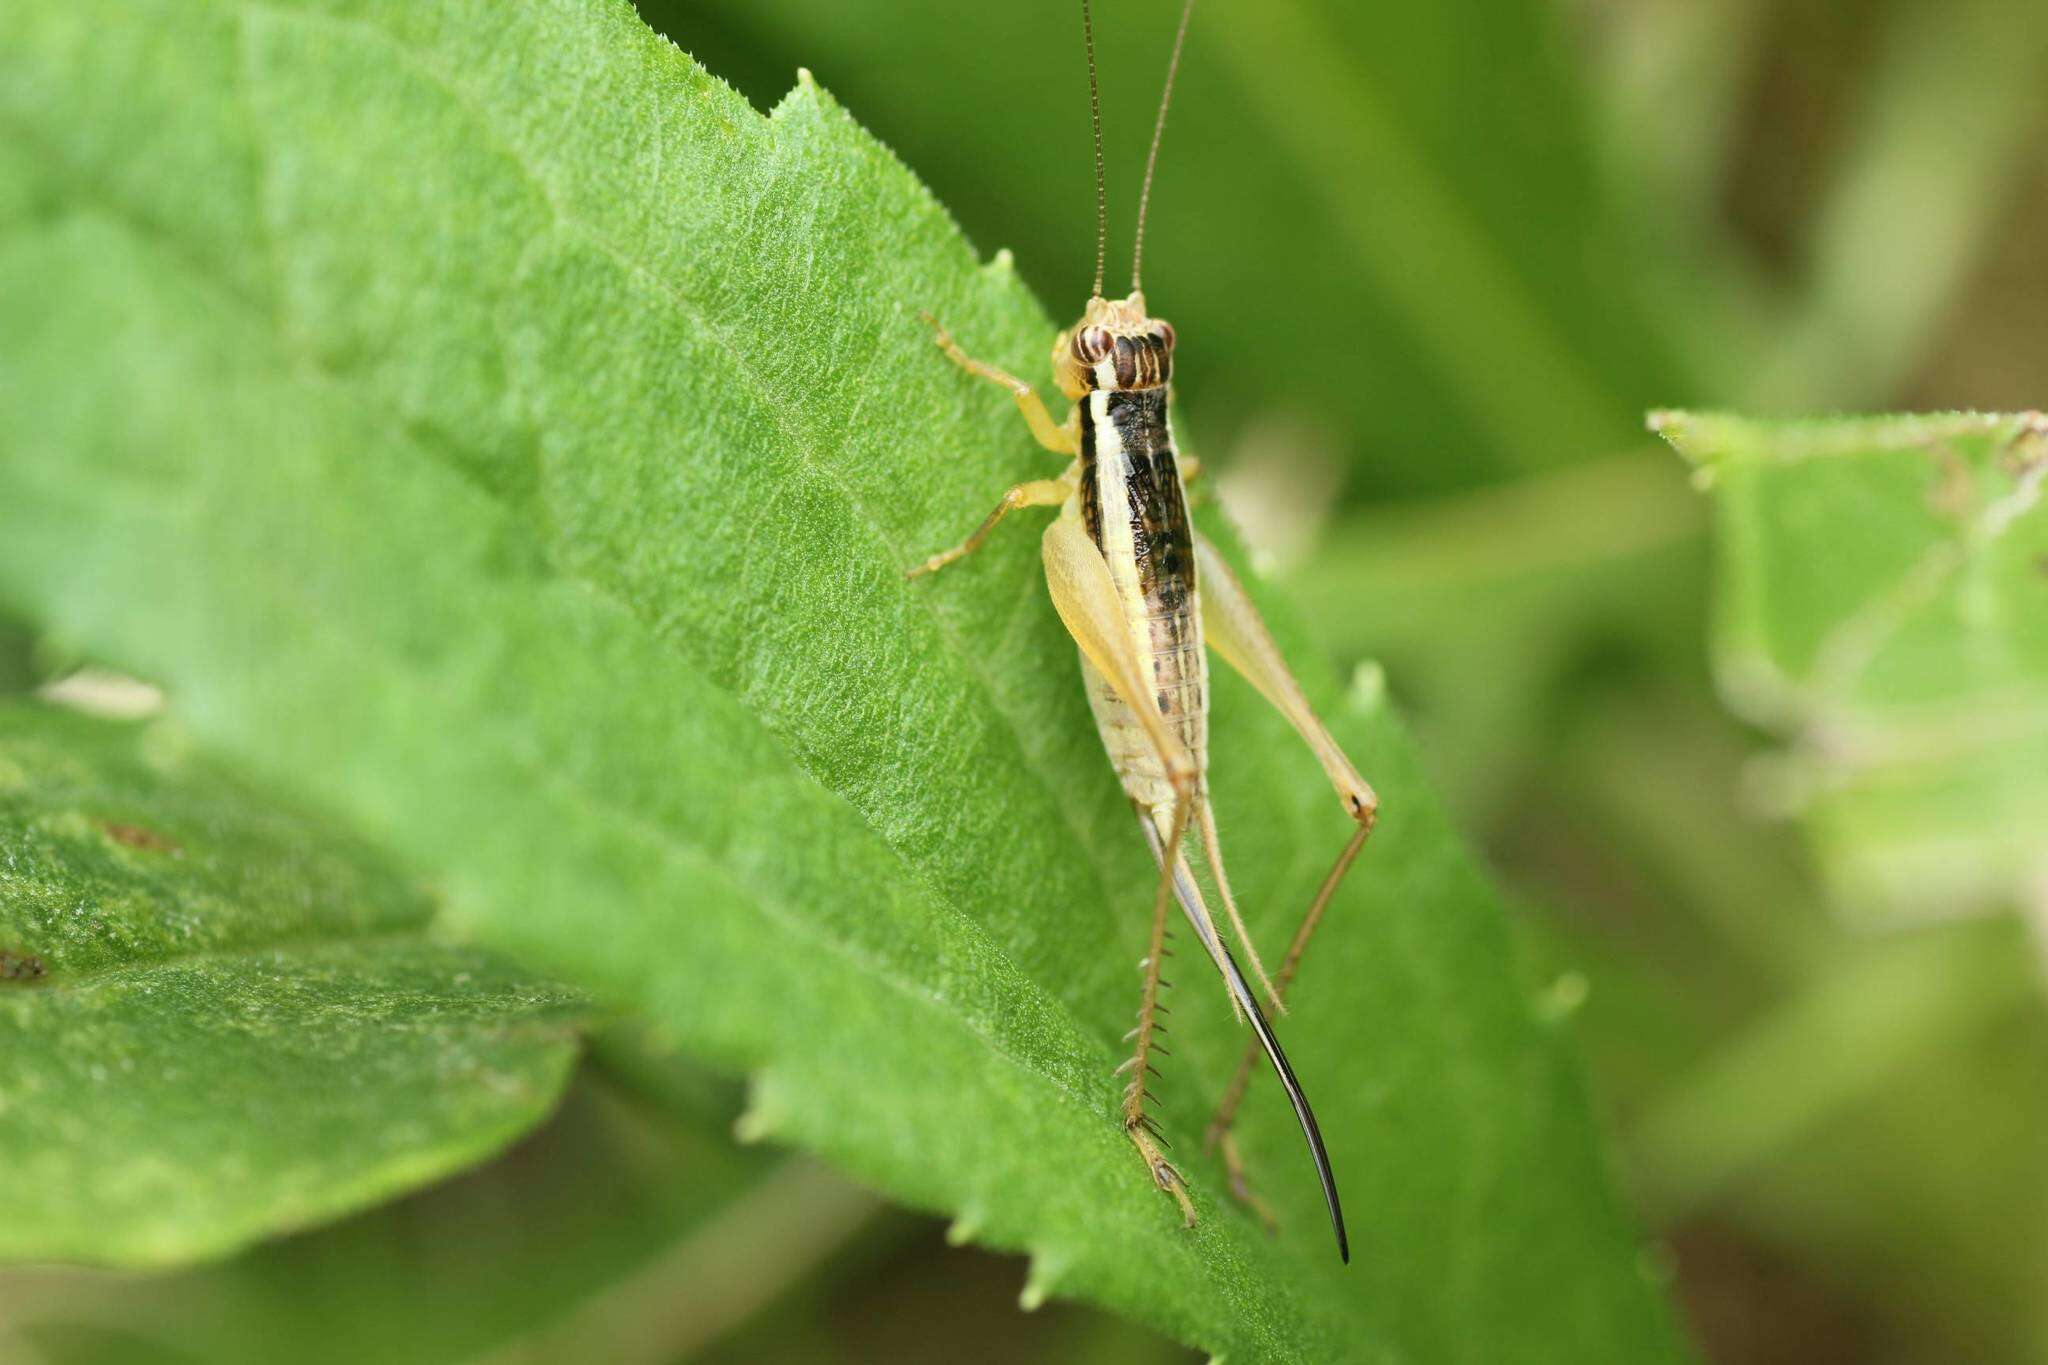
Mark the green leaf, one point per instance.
(1943, 122)
(485, 420)
(603, 1222)
(1882, 604)
(216, 1021)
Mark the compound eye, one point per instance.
(1166, 334)
(1091, 344)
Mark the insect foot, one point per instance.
(1164, 1175)
(1240, 1184)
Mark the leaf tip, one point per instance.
(761, 1118)
(1368, 691)
(806, 96)
(105, 694)
(964, 1228)
(1691, 436)
(1674, 425)
(1044, 1276)
(1562, 998)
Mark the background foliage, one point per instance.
(207, 968)
(1430, 263)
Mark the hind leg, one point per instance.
(1138, 1125)
(1235, 631)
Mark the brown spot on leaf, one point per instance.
(141, 836)
(18, 966)
(1954, 494)
(2026, 452)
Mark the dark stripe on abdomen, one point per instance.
(1091, 489)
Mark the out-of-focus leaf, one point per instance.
(1882, 603)
(486, 419)
(1952, 107)
(1880, 607)
(474, 1268)
(217, 1022)
(1770, 1066)
(631, 1228)
(1485, 607)
(1947, 1254)
(17, 658)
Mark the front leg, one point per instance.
(1060, 439)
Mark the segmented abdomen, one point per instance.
(1135, 511)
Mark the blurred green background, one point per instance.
(1429, 265)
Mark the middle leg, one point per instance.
(1036, 493)
(1086, 599)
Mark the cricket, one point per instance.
(1142, 594)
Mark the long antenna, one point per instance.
(1095, 116)
(1152, 158)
